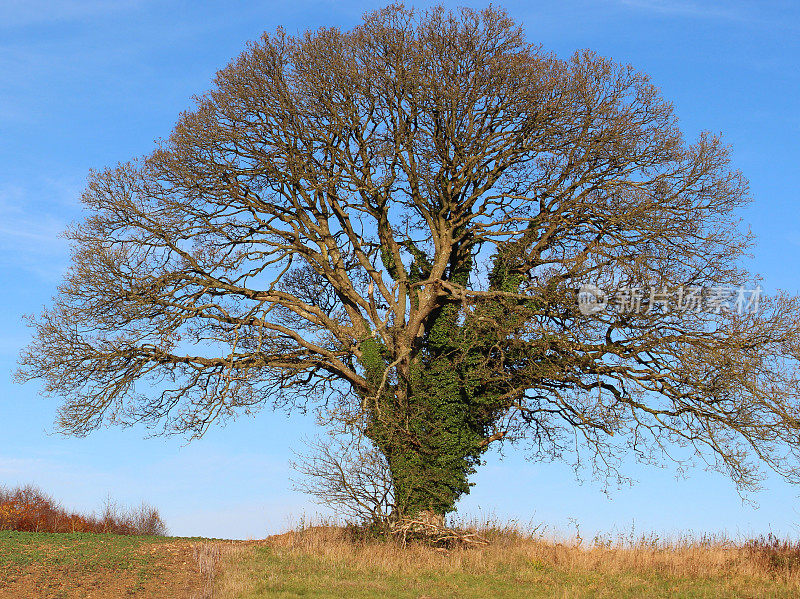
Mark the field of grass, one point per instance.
(323, 563)
(327, 562)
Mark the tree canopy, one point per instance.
(391, 224)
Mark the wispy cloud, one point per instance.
(778, 15)
(16, 13)
(30, 238)
(707, 10)
(17, 467)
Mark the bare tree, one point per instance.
(392, 223)
(349, 474)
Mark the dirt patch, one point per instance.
(168, 570)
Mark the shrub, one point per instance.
(775, 554)
(29, 509)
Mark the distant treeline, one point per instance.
(30, 509)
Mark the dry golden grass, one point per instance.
(326, 561)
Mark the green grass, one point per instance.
(72, 550)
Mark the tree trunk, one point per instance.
(431, 454)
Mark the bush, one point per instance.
(28, 509)
(775, 554)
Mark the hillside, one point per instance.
(325, 562)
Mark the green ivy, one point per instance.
(434, 440)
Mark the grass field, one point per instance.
(323, 562)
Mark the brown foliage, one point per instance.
(775, 554)
(28, 509)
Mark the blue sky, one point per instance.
(87, 83)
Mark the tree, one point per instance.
(392, 224)
(350, 475)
